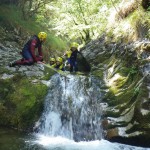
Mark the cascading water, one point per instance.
(72, 108)
(72, 112)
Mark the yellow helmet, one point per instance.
(59, 59)
(74, 44)
(42, 36)
(52, 59)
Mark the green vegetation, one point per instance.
(12, 15)
(21, 102)
(80, 20)
(11, 18)
(140, 26)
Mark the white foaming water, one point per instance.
(73, 112)
(53, 121)
(60, 143)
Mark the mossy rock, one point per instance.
(21, 102)
(101, 58)
(111, 113)
(48, 73)
(98, 73)
(138, 116)
(4, 70)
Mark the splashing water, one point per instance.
(60, 143)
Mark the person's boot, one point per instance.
(12, 64)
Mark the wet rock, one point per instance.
(10, 52)
(32, 73)
(146, 47)
(105, 124)
(6, 76)
(112, 133)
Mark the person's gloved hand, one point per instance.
(39, 58)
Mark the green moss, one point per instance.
(21, 102)
(48, 73)
(109, 97)
(118, 84)
(142, 119)
(110, 113)
(98, 73)
(123, 71)
(140, 128)
(4, 70)
(101, 58)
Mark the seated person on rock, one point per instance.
(59, 63)
(52, 62)
(72, 57)
(29, 50)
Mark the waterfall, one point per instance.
(72, 108)
(72, 117)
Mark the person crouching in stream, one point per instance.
(28, 52)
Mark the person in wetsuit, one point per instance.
(72, 57)
(29, 50)
(59, 63)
